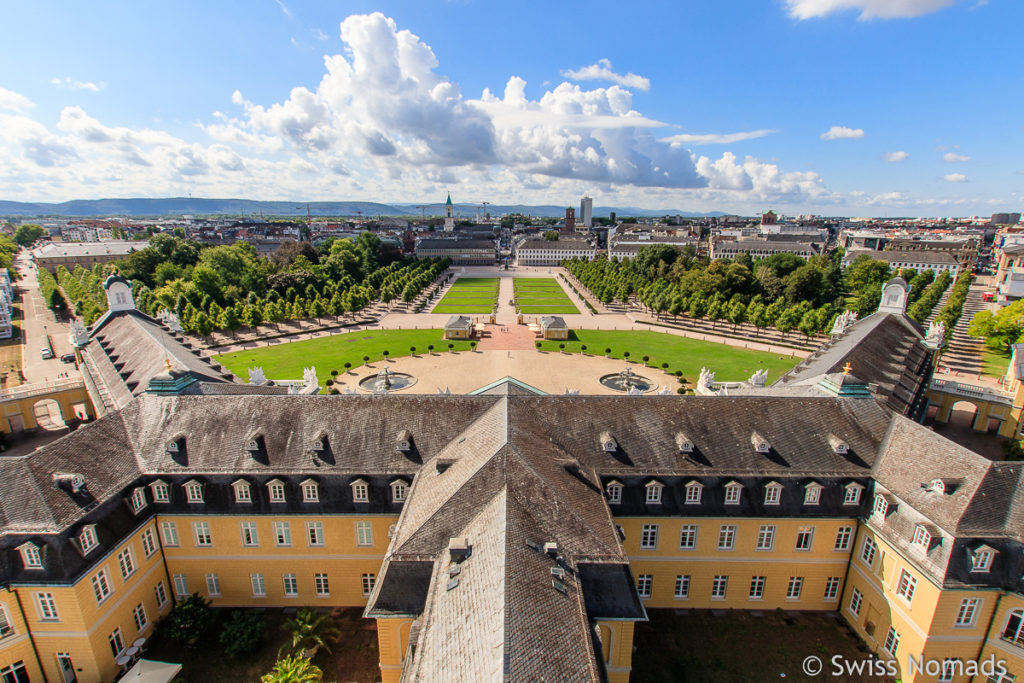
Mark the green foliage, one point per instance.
(189, 619)
(1013, 450)
(293, 669)
(999, 330)
(311, 630)
(243, 633)
(922, 308)
(28, 233)
(551, 235)
(950, 313)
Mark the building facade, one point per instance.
(539, 252)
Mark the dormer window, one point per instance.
(732, 493)
(360, 491)
(614, 490)
(694, 491)
(176, 449)
(760, 443)
(87, 539)
(812, 493)
(839, 447)
(936, 486)
(881, 506)
(193, 492)
(608, 442)
(138, 499)
(161, 491)
(243, 492)
(276, 489)
(310, 491)
(319, 443)
(772, 493)
(851, 494)
(30, 555)
(684, 444)
(399, 490)
(404, 441)
(922, 537)
(654, 492)
(981, 558)
(253, 445)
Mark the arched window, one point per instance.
(1014, 631)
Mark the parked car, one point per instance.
(68, 358)
(47, 353)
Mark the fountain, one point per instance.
(626, 381)
(386, 380)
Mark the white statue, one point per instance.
(635, 391)
(706, 384)
(257, 377)
(79, 334)
(572, 392)
(350, 391)
(665, 391)
(293, 390)
(309, 376)
(936, 337)
(759, 378)
(843, 321)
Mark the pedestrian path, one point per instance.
(963, 353)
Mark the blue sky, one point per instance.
(842, 107)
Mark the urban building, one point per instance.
(587, 212)
(570, 219)
(965, 251)
(466, 252)
(938, 261)
(86, 254)
(554, 327)
(449, 215)
(542, 252)
(758, 248)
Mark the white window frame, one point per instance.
(126, 563)
(138, 499)
(310, 491)
(282, 534)
(360, 491)
(832, 585)
(812, 493)
(694, 493)
(844, 537)
(851, 496)
(31, 557)
(315, 534)
(161, 594)
(981, 560)
(881, 507)
(140, 617)
(258, 584)
(47, 606)
(169, 534)
(291, 585)
(727, 537)
(892, 641)
(644, 585)
(202, 534)
(649, 536)
(688, 532)
(88, 539)
(250, 529)
(804, 532)
(653, 493)
(161, 492)
(368, 580)
(364, 534)
(400, 491)
(275, 491)
(682, 590)
(766, 537)
(101, 588)
(243, 491)
(733, 491)
(193, 492)
(906, 585)
(795, 588)
(922, 537)
(719, 587)
(148, 543)
(757, 587)
(322, 584)
(614, 491)
(213, 585)
(773, 494)
(856, 602)
(180, 585)
(116, 641)
(967, 613)
(868, 551)
(6, 627)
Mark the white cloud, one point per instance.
(14, 101)
(869, 9)
(955, 178)
(953, 158)
(603, 71)
(842, 133)
(70, 84)
(284, 8)
(896, 156)
(717, 138)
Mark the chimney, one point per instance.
(458, 548)
(551, 548)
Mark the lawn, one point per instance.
(469, 295)
(286, 361)
(732, 364)
(698, 646)
(994, 363)
(353, 658)
(543, 296)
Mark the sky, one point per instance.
(836, 107)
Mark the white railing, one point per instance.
(26, 390)
(961, 389)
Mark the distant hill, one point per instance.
(179, 206)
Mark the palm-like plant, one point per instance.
(311, 630)
(293, 669)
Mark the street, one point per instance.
(38, 324)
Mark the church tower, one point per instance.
(449, 215)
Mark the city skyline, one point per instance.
(840, 107)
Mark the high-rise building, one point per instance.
(587, 211)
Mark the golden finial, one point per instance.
(167, 364)
(847, 368)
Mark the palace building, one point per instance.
(508, 534)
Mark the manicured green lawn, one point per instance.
(542, 296)
(469, 295)
(994, 363)
(731, 364)
(464, 308)
(286, 361)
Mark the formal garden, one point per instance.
(541, 296)
(469, 295)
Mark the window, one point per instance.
(88, 539)
(126, 562)
(649, 537)
(867, 551)
(315, 533)
(360, 491)
(804, 538)
(194, 492)
(5, 624)
(892, 641)
(881, 506)
(644, 584)
(922, 537)
(250, 536)
(843, 536)
(282, 534)
(832, 588)
(213, 585)
(15, 673)
(693, 492)
(852, 494)
(259, 589)
(906, 586)
(276, 489)
(148, 543)
(772, 494)
(243, 493)
(202, 531)
(47, 606)
(688, 537)
(169, 530)
(766, 537)
(30, 556)
(757, 587)
(981, 560)
(138, 501)
(323, 588)
(364, 534)
(856, 600)
(291, 586)
(1014, 629)
(368, 581)
(718, 587)
(732, 493)
(950, 667)
(614, 492)
(399, 491)
(967, 611)
(139, 615)
(654, 492)
(161, 492)
(682, 587)
(180, 585)
(310, 491)
(727, 537)
(101, 585)
(116, 643)
(795, 587)
(161, 594)
(812, 494)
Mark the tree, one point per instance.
(243, 633)
(551, 235)
(348, 366)
(472, 345)
(999, 330)
(311, 630)
(56, 301)
(430, 348)
(202, 324)
(293, 669)
(561, 348)
(229, 320)
(28, 233)
(788, 319)
(737, 314)
(189, 619)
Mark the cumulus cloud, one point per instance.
(955, 178)
(70, 84)
(952, 158)
(603, 71)
(14, 101)
(717, 138)
(869, 9)
(842, 133)
(893, 157)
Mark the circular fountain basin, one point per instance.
(618, 382)
(396, 381)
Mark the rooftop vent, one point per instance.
(685, 444)
(559, 586)
(452, 584)
(760, 443)
(558, 572)
(839, 446)
(608, 442)
(458, 548)
(404, 441)
(319, 443)
(73, 482)
(551, 548)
